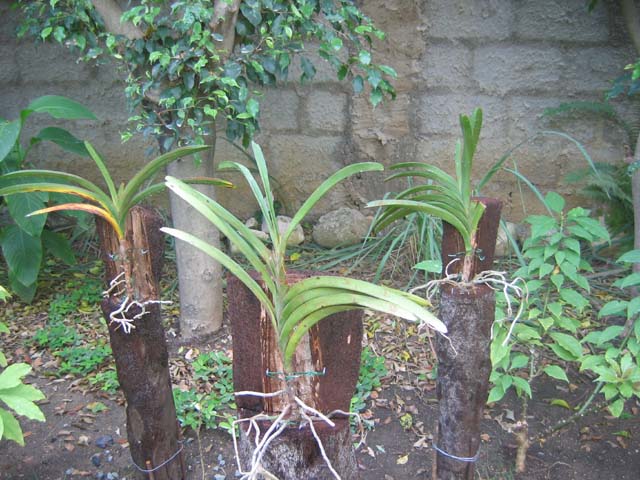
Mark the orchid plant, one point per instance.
(292, 309)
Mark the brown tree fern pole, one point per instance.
(141, 355)
(328, 362)
(464, 365)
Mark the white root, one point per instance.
(309, 414)
(119, 316)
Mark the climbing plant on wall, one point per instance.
(191, 65)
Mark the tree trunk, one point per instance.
(199, 276)
(464, 363)
(333, 347)
(141, 355)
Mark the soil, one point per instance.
(404, 409)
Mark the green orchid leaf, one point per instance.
(147, 173)
(230, 265)
(237, 232)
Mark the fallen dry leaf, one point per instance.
(402, 460)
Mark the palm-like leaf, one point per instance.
(112, 206)
(293, 309)
(443, 196)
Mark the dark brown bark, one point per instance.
(464, 363)
(141, 356)
(485, 240)
(333, 346)
(463, 376)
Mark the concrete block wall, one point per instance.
(513, 58)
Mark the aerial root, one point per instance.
(308, 414)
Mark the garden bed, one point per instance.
(85, 433)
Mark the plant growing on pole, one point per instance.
(132, 249)
(190, 66)
(292, 309)
(467, 301)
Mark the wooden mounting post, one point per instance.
(141, 356)
(464, 363)
(333, 345)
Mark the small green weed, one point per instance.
(209, 410)
(56, 335)
(107, 381)
(82, 360)
(372, 370)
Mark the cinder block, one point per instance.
(49, 63)
(593, 70)
(279, 110)
(327, 111)
(478, 19)
(447, 65)
(439, 114)
(566, 20)
(503, 69)
(299, 164)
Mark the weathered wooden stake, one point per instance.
(334, 346)
(464, 363)
(141, 356)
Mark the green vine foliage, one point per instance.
(183, 80)
(559, 329)
(558, 305)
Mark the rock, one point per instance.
(258, 233)
(515, 231)
(95, 459)
(104, 441)
(296, 238)
(251, 223)
(345, 226)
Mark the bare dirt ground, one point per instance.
(76, 442)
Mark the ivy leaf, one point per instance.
(20, 399)
(554, 201)
(556, 372)
(558, 402)
(496, 394)
(633, 307)
(574, 298)
(364, 57)
(23, 254)
(9, 134)
(251, 11)
(630, 257)
(358, 84)
(375, 97)
(616, 408)
(522, 385)
(569, 343)
(253, 107)
(615, 307)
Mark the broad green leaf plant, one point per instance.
(292, 309)
(113, 205)
(15, 394)
(184, 70)
(442, 195)
(25, 241)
